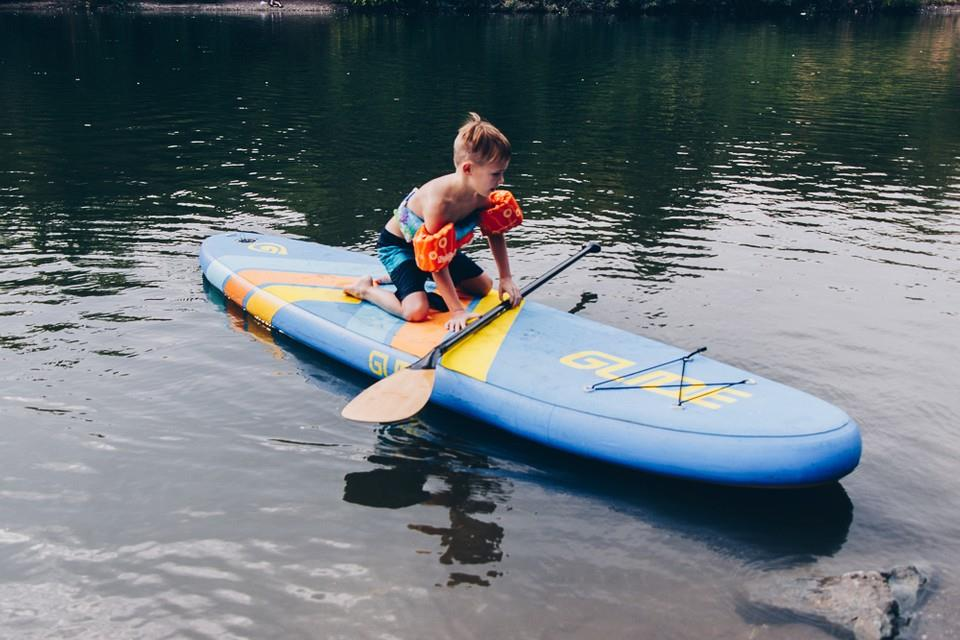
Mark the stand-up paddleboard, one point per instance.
(552, 377)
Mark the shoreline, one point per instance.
(241, 7)
(329, 8)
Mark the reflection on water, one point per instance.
(793, 526)
(241, 322)
(417, 471)
(416, 466)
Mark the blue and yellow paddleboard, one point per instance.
(552, 377)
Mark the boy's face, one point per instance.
(487, 177)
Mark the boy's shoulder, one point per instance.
(438, 187)
(434, 197)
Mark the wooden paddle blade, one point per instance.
(395, 398)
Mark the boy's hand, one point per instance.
(458, 320)
(509, 288)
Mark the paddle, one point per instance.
(401, 395)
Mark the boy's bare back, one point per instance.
(444, 200)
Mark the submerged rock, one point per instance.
(867, 605)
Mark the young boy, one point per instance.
(432, 222)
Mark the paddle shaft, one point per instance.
(431, 360)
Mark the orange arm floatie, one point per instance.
(502, 215)
(434, 251)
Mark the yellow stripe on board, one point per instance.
(475, 355)
(264, 303)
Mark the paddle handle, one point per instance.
(430, 360)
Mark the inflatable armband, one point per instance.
(502, 215)
(434, 251)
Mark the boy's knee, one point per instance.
(478, 286)
(416, 311)
(415, 315)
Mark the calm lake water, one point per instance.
(786, 193)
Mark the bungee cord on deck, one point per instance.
(718, 386)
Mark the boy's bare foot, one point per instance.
(359, 288)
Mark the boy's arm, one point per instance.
(447, 290)
(507, 287)
(433, 220)
(459, 316)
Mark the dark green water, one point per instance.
(787, 193)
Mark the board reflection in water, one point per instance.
(409, 464)
(768, 526)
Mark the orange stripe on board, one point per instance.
(285, 287)
(264, 303)
(237, 288)
(418, 338)
(264, 276)
(240, 284)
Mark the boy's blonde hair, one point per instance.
(480, 141)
